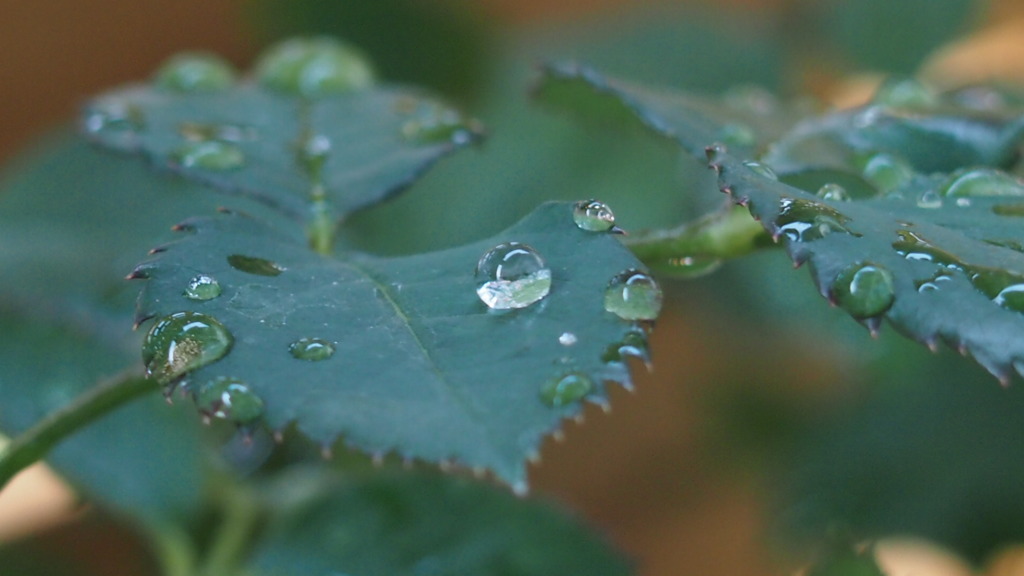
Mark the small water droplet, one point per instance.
(230, 399)
(912, 246)
(210, 155)
(982, 182)
(761, 169)
(737, 135)
(192, 72)
(864, 290)
(633, 295)
(929, 199)
(432, 123)
(253, 265)
(113, 116)
(906, 93)
(802, 220)
(833, 192)
(885, 171)
(566, 389)
(182, 342)
(314, 67)
(202, 287)
(593, 216)
(312, 349)
(201, 132)
(690, 266)
(512, 275)
(963, 202)
(567, 339)
(313, 152)
(634, 343)
(933, 284)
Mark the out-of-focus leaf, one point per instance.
(420, 364)
(428, 524)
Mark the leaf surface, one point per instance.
(421, 365)
(361, 147)
(429, 524)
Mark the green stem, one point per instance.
(234, 535)
(698, 246)
(174, 550)
(37, 441)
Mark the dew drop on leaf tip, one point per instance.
(312, 349)
(511, 276)
(202, 287)
(314, 67)
(566, 389)
(833, 192)
(195, 72)
(633, 295)
(593, 216)
(182, 342)
(229, 399)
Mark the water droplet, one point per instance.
(802, 220)
(314, 67)
(512, 275)
(963, 202)
(634, 343)
(182, 342)
(864, 290)
(761, 169)
(432, 122)
(885, 171)
(312, 349)
(929, 199)
(202, 287)
(593, 216)
(210, 155)
(833, 192)
(933, 284)
(906, 93)
(253, 265)
(567, 339)
(192, 72)
(113, 116)
(229, 399)
(312, 153)
(982, 182)
(737, 135)
(912, 246)
(1003, 287)
(633, 295)
(566, 389)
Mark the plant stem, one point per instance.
(37, 441)
(174, 550)
(724, 234)
(241, 513)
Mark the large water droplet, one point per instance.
(229, 399)
(761, 169)
(312, 349)
(512, 275)
(314, 67)
(982, 182)
(593, 216)
(802, 220)
(833, 192)
(566, 389)
(195, 72)
(182, 342)
(633, 295)
(885, 171)
(906, 93)
(1003, 287)
(432, 123)
(202, 287)
(864, 290)
(912, 246)
(210, 155)
(253, 265)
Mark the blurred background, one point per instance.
(770, 419)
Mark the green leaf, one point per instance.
(357, 148)
(955, 263)
(420, 364)
(746, 118)
(425, 524)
